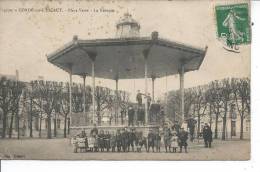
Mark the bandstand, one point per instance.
(128, 56)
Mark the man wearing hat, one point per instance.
(131, 114)
(139, 98)
(131, 139)
(207, 135)
(151, 137)
(124, 139)
(183, 137)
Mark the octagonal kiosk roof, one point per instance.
(124, 58)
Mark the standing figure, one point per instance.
(74, 144)
(118, 140)
(149, 100)
(113, 142)
(131, 113)
(191, 125)
(162, 116)
(157, 141)
(151, 140)
(139, 98)
(91, 143)
(174, 142)
(207, 135)
(167, 139)
(131, 140)
(101, 141)
(183, 137)
(107, 141)
(141, 141)
(124, 139)
(96, 144)
(140, 116)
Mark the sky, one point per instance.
(26, 37)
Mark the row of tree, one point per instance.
(215, 100)
(40, 100)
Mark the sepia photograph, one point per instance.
(125, 80)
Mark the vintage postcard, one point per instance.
(125, 80)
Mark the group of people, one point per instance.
(130, 140)
(136, 114)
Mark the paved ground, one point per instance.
(61, 149)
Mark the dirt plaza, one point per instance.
(62, 149)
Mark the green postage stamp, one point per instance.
(233, 25)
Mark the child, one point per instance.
(174, 141)
(113, 141)
(91, 142)
(81, 144)
(74, 144)
(157, 142)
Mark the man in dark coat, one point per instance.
(107, 140)
(167, 138)
(118, 140)
(207, 135)
(191, 125)
(131, 140)
(101, 140)
(157, 141)
(151, 138)
(139, 98)
(140, 116)
(131, 113)
(124, 139)
(183, 137)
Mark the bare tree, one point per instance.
(173, 104)
(123, 101)
(199, 105)
(10, 92)
(49, 92)
(102, 97)
(226, 91)
(241, 91)
(214, 92)
(64, 104)
(17, 88)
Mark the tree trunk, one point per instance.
(55, 126)
(198, 129)
(40, 128)
(216, 125)
(18, 127)
(224, 123)
(49, 126)
(242, 123)
(11, 125)
(242, 128)
(98, 114)
(31, 118)
(68, 125)
(65, 127)
(210, 116)
(4, 124)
